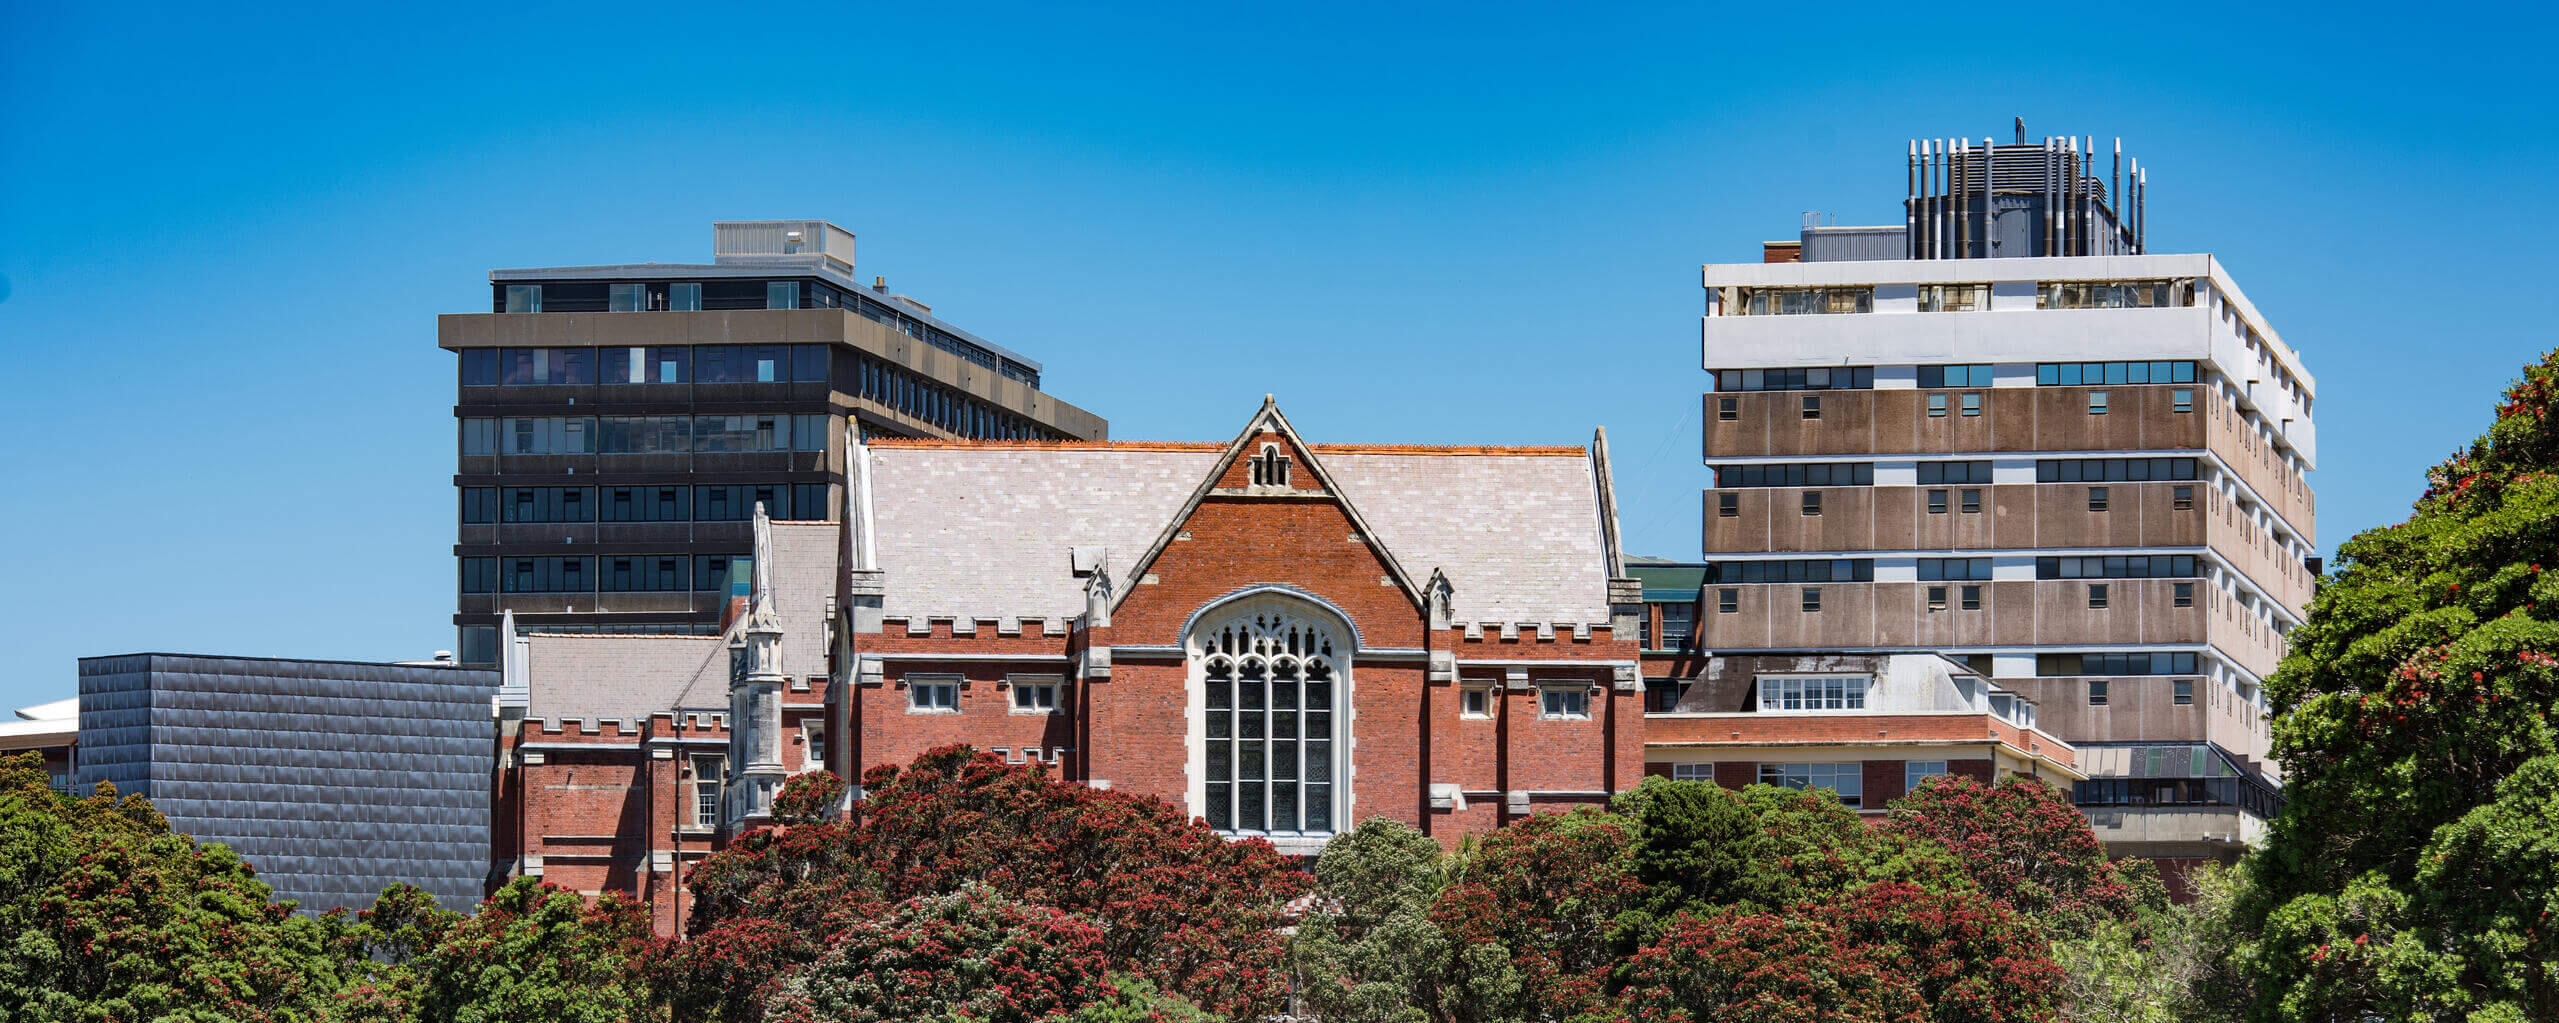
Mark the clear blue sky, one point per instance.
(225, 232)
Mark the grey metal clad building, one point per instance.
(334, 779)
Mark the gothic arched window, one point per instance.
(1272, 676)
(1270, 468)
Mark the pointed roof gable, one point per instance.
(978, 530)
(1268, 419)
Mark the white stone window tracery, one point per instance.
(1270, 468)
(1272, 680)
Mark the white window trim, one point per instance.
(1865, 697)
(1015, 684)
(916, 683)
(1583, 688)
(1484, 689)
(1345, 709)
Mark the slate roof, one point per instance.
(628, 677)
(983, 530)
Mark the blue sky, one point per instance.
(227, 232)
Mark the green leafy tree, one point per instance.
(2169, 964)
(386, 948)
(1376, 952)
(972, 955)
(2410, 875)
(1136, 1000)
(107, 914)
(1699, 848)
(539, 954)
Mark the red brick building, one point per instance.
(1280, 637)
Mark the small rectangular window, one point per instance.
(1812, 502)
(1936, 502)
(2096, 692)
(1557, 702)
(1728, 505)
(2183, 399)
(2096, 595)
(813, 747)
(524, 298)
(628, 298)
(2096, 403)
(684, 297)
(1692, 772)
(1916, 772)
(1812, 406)
(1936, 406)
(2185, 691)
(1972, 598)
(782, 295)
(1034, 697)
(1728, 409)
(1972, 502)
(1812, 598)
(2096, 499)
(2184, 594)
(1972, 403)
(1728, 601)
(1476, 702)
(1936, 598)
(933, 695)
(2183, 498)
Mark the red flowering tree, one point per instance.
(807, 798)
(1549, 890)
(1966, 958)
(1743, 967)
(1174, 902)
(970, 955)
(2023, 842)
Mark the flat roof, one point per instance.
(763, 266)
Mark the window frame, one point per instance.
(920, 690)
(1020, 686)
(1574, 695)
(710, 790)
(1480, 696)
(1852, 772)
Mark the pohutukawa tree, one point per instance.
(2414, 873)
(1174, 903)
